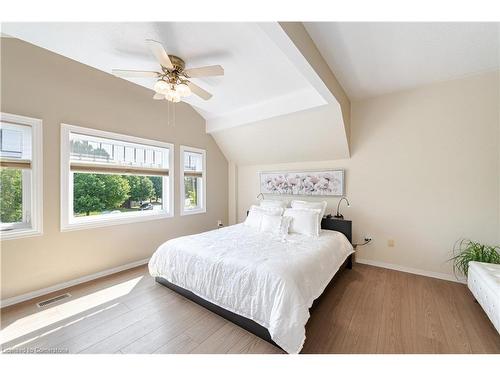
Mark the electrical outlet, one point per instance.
(219, 223)
(390, 243)
(368, 239)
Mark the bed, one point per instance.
(262, 282)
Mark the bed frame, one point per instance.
(343, 226)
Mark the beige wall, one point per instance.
(424, 171)
(41, 84)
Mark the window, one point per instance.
(108, 178)
(193, 191)
(21, 178)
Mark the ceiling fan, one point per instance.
(173, 79)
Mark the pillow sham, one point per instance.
(271, 203)
(312, 205)
(275, 224)
(271, 210)
(255, 214)
(253, 219)
(304, 220)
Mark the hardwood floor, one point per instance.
(375, 310)
(368, 310)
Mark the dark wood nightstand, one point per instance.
(343, 226)
(340, 225)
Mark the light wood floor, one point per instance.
(368, 310)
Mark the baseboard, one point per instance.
(67, 284)
(397, 267)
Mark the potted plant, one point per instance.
(466, 251)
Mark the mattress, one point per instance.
(270, 279)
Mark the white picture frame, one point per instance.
(312, 183)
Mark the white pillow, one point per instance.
(271, 210)
(304, 221)
(312, 205)
(271, 203)
(253, 219)
(275, 224)
(255, 214)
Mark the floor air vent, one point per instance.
(53, 300)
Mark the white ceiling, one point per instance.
(371, 59)
(260, 80)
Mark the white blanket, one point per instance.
(260, 276)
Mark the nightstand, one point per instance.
(340, 225)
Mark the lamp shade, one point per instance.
(161, 86)
(183, 89)
(173, 96)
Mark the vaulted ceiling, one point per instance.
(282, 97)
(259, 82)
(267, 78)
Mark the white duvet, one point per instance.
(260, 276)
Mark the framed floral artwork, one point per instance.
(327, 182)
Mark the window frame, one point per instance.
(203, 208)
(66, 206)
(34, 197)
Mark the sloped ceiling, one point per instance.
(376, 58)
(310, 135)
(271, 72)
(320, 133)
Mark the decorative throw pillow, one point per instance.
(275, 224)
(255, 214)
(312, 205)
(271, 223)
(304, 221)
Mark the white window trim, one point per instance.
(67, 191)
(36, 198)
(203, 209)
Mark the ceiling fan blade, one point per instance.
(158, 96)
(205, 71)
(197, 90)
(160, 53)
(134, 73)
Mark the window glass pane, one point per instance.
(91, 149)
(193, 161)
(11, 195)
(15, 141)
(111, 194)
(139, 156)
(192, 192)
(129, 155)
(149, 157)
(119, 154)
(12, 142)
(158, 158)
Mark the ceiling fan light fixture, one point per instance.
(173, 96)
(173, 79)
(183, 89)
(161, 86)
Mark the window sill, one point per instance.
(105, 222)
(194, 212)
(19, 233)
